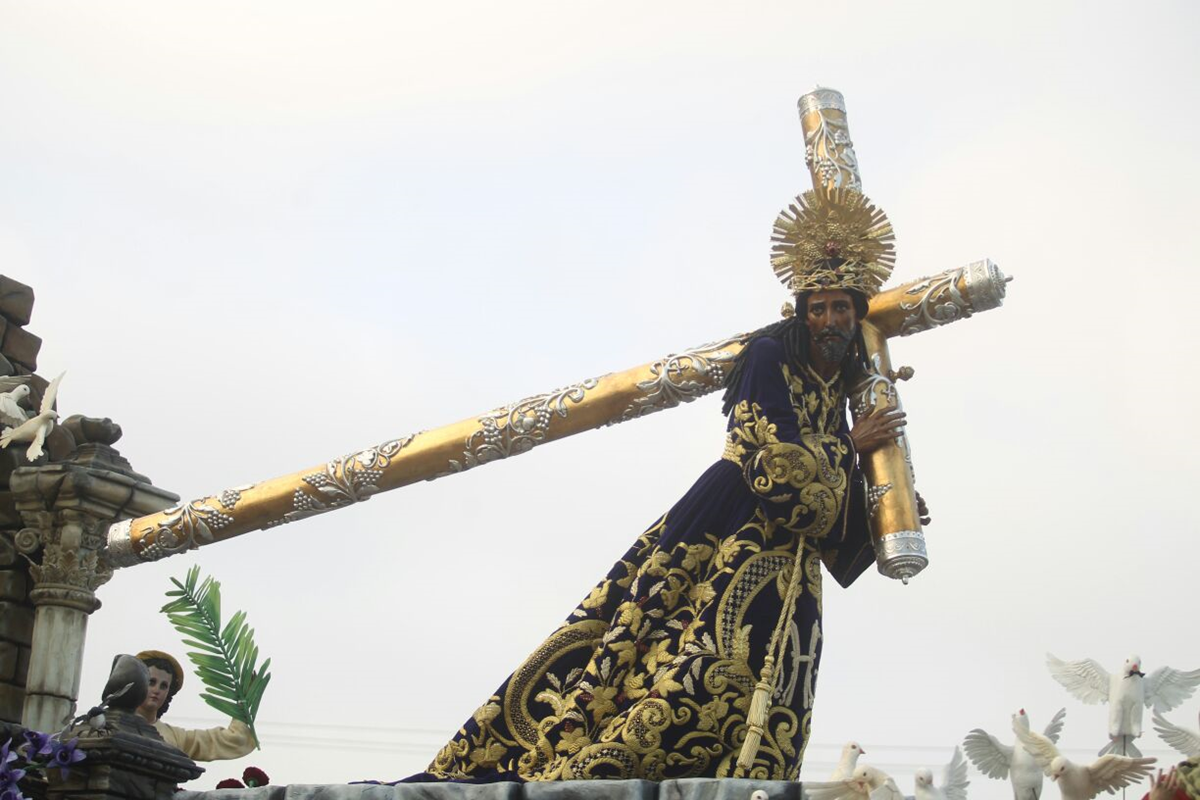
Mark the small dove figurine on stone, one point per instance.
(1184, 740)
(1127, 694)
(954, 781)
(1000, 761)
(35, 429)
(11, 412)
(1076, 782)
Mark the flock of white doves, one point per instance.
(1120, 764)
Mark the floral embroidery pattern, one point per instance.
(652, 674)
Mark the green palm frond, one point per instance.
(225, 657)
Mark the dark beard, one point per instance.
(833, 345)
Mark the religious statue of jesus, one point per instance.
(700, 647)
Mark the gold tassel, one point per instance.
(756, 719)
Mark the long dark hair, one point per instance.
(793, 335)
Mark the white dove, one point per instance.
(1184, 740)
(845, 767)
(35, 429)
(1075, 782)
(954, 781)
(1126, 694)
(1015, 763)
(865, 783)
(11, 412)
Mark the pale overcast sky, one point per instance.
(266, 234)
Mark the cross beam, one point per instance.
(598, 402)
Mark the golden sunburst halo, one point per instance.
(833, 239)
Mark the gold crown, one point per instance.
(833, 239)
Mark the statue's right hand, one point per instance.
(876, 429)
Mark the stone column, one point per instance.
(66, 508)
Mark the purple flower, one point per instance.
(65, 755)
(8, 775)
(11, 793)
(38, 744)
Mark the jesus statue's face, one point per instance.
(832, 323)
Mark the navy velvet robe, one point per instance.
(651, 675)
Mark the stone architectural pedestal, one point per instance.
(126, 761)
(67, 508)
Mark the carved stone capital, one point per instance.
(66, 509)
(75, 568)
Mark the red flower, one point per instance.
(643, 647)
(568, 726)
(231, 783)
(586, 697)
(654, 693)
(253, 776)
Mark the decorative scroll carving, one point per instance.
(828, 151)
(938, 301)
(183, 527)
(345, 480)
(518, 427)
(669, 387)
(27, 541)
(873, 387)
(941, 299)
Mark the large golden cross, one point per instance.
(606, 400)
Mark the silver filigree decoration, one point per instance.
(901, 554)
(230, 497)
(938, 301)
(820, 99)
(985, 285)
(345, 480)
(874, 496)
(874, 387)
(669, 387)
(518, 427)
(183, 527)
(828, 151)
(119, 548)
